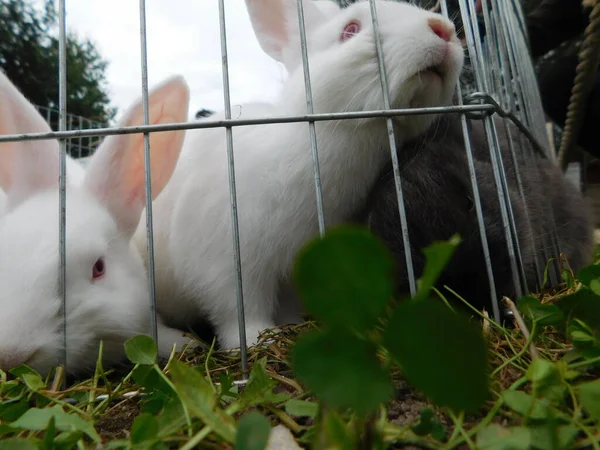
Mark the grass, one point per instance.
(542, 384)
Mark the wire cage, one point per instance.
(83, 147)
(500, 81)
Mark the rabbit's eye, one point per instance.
(350, 29)
(98, 270)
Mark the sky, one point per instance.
(182, 38)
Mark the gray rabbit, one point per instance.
(553, 202)
(439, 203)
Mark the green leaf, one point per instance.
(547, 380)
(152, 379)
(12, 388)
(253, 432)
(30, 377)
(583, 305)
(13, 409)
(117, 445)
(141, 349)
(580, 334)
(172, 417)
(200, 399)
(37, 419)
(301, 408)
(226, 381)
(550, 435)
(437, 256)
(540, 370)
(345, 278)
(589, 395)
(587, 274)
(19, 444)
(33, 381)
(67, 440)
(497, 437)
(441, 353)
(154, 402)
(532, 309)
(6, 429)
(50, 434)
(22, 370)
(595, 286)
(144, 428)
(526, 405)
(428, 424)
(336, 434)
(342, 369)
(568, 278)
(259, 388)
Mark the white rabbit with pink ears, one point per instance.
(276, 200)
(106, 284)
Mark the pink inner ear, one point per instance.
(350, 29)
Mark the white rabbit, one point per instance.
(327, 7)
(106, 284)
(20, 116)
(196, 275)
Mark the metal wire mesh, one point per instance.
(79, 148)
(503, 83)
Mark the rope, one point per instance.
(589, 57)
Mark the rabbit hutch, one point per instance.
(411, 157)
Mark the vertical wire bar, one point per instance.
(495, 56)
(474, 45)
(62, 171)
(493, 46)
(531, 87)
(392, 140)
(536, 110)
(524, 86)
(517, 167)
(518, 93)
(476, 198)
(311, 124)
(70, 143)
(512, 221)
(232, 193)
(510, 106)
(80, 141)
(148, 176)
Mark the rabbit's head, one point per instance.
(421, 54)
(106, 286)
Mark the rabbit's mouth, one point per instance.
(435, 70)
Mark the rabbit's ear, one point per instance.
(276, 24)
(25, 166)
(115, 175)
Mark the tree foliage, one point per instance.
(29, 57)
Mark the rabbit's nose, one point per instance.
(442, 28)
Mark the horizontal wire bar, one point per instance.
(242, 122)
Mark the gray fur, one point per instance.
(437, 192)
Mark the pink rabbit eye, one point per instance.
(352, 28)
(98, 270)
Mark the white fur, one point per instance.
(327, 7)
(18, 116)
(273, 163)
(102, 212)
